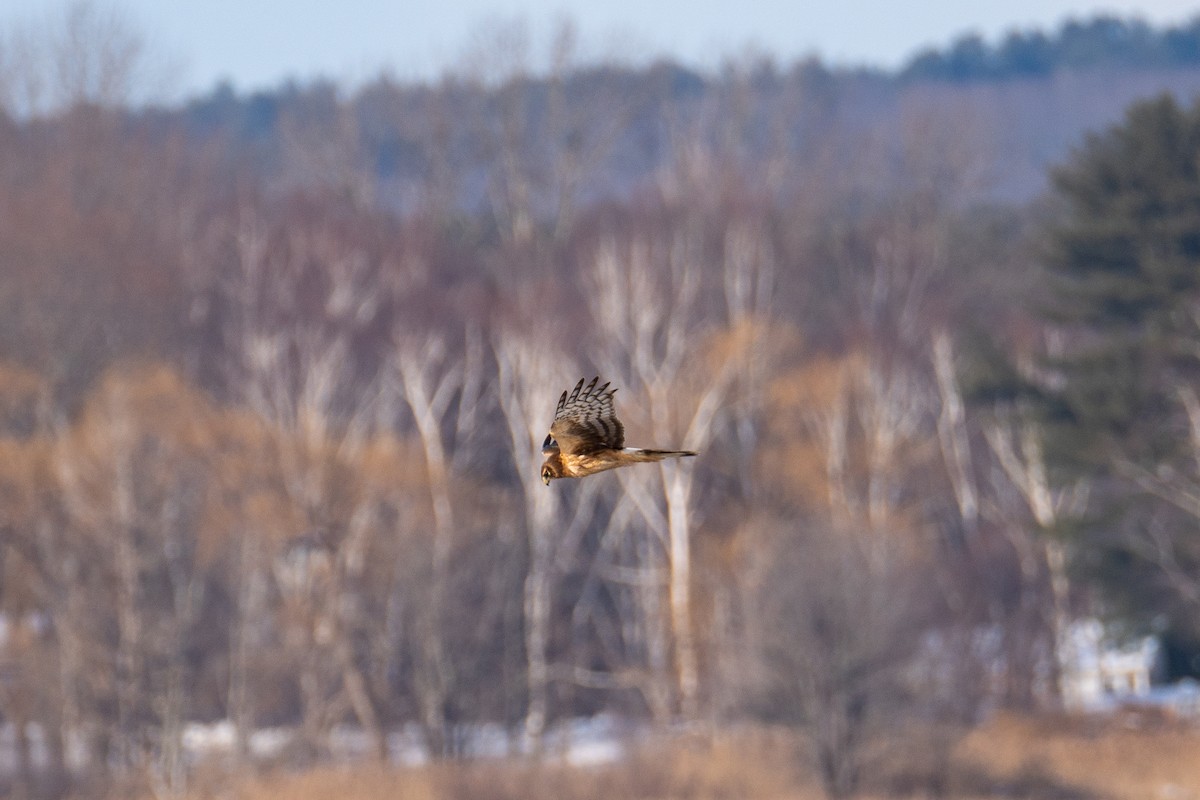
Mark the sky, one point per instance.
(256, 44)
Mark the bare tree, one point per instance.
(1016, 442)
(525, 369)
(134, 475)
(427, 376)
(501, 61)
(299, 377)
(584, 122)
(322, 148)
(439, 384)
(85, 54)
(953, 433)
(95, 57)
(837, 629)
(649, 309)
(32, 653)
(543, 137)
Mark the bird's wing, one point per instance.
(585, 420)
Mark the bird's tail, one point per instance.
(638, 454)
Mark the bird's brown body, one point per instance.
(567, 466)
(586, 437)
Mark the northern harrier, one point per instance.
(587, 437)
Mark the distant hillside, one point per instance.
(995, 115)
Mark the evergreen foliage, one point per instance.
(1125, 265)
(1100, 42)
(1124, 261)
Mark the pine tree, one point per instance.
(1124, 264)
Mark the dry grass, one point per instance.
(758, 764)
(1011, 757)
(1130, 757)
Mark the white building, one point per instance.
(1098, 672)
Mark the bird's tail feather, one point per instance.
(639, 454)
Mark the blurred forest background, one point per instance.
(275, 369)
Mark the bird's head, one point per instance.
(550, 471)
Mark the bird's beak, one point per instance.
(545, 479)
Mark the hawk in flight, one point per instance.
(587, 437)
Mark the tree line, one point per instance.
(1100, 43)
(271, 434)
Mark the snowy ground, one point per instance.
(593, 741)
(580, 742)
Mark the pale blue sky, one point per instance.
(258, 43)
